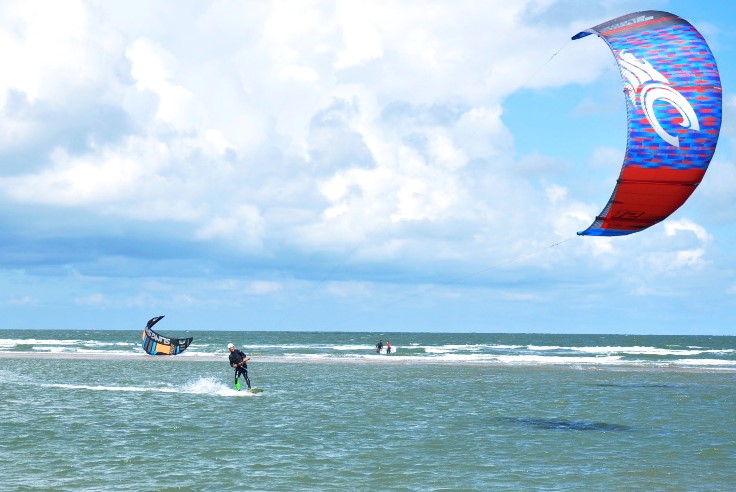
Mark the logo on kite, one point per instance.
(642, 79)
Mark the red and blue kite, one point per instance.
(673, 103)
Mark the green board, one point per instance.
(252, 390)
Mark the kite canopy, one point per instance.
(673, 104)
(155, 344)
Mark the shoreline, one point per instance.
(377, 360)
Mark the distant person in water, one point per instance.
(238, 361)
(379, 346)
(388, 347)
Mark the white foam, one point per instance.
(706, 362)
(638, 350)
(445, 349)
(284, 346)
(482, 358)
(559, 360)
(351, 348)
(529, 359)
(316, 346)
(193, 353)
(133, 389)
(652, 356)
(212, 386)
(97, 343)
(83, 351)
(201, 386)
(294, 355)
(13, 342)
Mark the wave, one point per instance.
(673, 352)
(519, 360)
(637, 350)
(14, 342)
(706, 362)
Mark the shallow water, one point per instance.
(120, 424)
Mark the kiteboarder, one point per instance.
(388, 347)
(379, 346)
(238, 360)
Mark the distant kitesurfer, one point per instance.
(379, 346)
(388, 347)
(238, 360)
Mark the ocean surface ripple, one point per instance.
(123, 422)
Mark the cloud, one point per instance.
(521, 296)
(291, 88)
(244, 227)
(46, 46)
(263, 287)
(22, 301)
(232, 139)
(177, 105)
(673, 227)
(77, 181)
(96, 299)
(349, 289)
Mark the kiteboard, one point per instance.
(238, 387)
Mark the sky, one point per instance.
(342, 166)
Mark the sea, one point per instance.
(89, 410)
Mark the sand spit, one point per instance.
(369, 360)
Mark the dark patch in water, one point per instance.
(635, 385)
(559, 424)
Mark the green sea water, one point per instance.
(176, 424)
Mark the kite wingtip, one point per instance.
(581, 35)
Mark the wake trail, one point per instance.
(201, 386)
